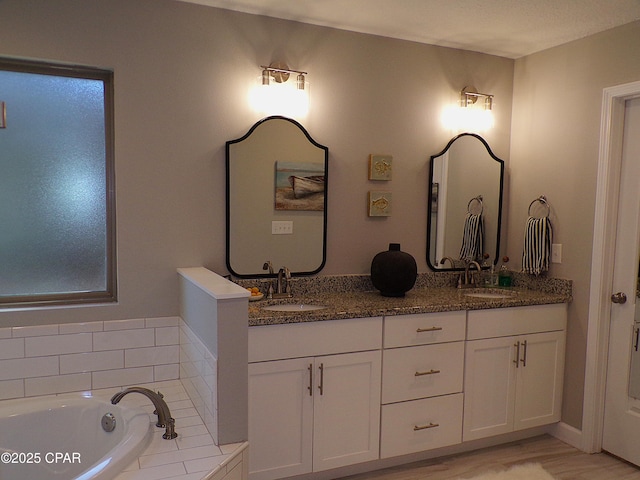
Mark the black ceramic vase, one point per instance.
(393, 272)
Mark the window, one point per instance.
(57, 197)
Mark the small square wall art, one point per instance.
(380, 204)
(380, 167)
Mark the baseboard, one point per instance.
(567, 434)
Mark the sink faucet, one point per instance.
(162, 410)
(451, 260)
(283, 284)
(469, 280)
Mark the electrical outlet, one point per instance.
(556, 253)
(281, 227)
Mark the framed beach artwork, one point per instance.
(300, 186)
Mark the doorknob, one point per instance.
(619, 297)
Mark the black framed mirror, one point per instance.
(276, 193)
(464, 213)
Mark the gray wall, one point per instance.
(182, 73)
(554, 151)
(182, 77)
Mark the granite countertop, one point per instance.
(358, 304)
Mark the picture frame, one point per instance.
(380, 167)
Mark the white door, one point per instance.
(489, 387)
(621, 434)
(280, 418)
(346, 409)
(539, 381)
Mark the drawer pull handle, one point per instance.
(430, 329)
(425, 427)
(430, 372)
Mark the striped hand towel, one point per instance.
(472, 238)
(538, 235)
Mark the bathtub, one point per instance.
(62, 437)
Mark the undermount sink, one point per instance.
(489, 293)
(293, 307)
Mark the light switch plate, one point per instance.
(282, 227)
(556, 253)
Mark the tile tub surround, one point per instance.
(193, 455)
(49, 359)
(199, 376)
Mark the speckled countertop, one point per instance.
(354, 297)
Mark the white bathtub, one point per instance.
(61, 438)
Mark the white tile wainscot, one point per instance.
(50, 359)
(214, 372)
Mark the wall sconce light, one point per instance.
(273, 95)
(469, 96)
(470, 115)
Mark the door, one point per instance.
(490, 387)
(280, 418)
(539, 381)
(346, 409)
(621, 432)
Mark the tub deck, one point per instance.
(192, 455)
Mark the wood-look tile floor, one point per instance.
(559, 459)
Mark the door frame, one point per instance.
(602, 256)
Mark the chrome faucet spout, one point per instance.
(468, 276)
(451, 260)
(283, 283)
(161, 409)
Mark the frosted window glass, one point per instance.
(53, 178)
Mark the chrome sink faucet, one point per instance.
(469, 279)
(283, 284)
(162, 410)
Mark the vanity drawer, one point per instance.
(424, 328)
(308, 339)
(423, 371)
(506, 322)
(419, 425)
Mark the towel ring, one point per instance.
(477, 199)
(543, 200)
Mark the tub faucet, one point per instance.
(162, 410)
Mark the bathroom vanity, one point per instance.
(370, 378)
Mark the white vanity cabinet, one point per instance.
(314, 396)
(514, 369)
(422, 379)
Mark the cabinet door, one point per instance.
(489, 387)
(540, 375)
(280, 418)
(346, 409)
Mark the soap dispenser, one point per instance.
(504, 276)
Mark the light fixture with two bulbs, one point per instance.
(470, 115)
(273, 95)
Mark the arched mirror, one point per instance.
(465, 203)
(276, 199)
